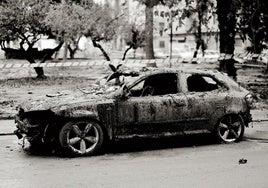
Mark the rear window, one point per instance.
(202, 83)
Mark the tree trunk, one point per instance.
(65, 52)
(149, 47)
(198, 35)
(97, 45)
(29, 57)
(149, 23)
(38, 70)
(226, 11)
(125, 53)
(71, 52)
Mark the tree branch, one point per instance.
(125, 53)
(2, 44)
(21, 44)
(162, 2)
(95, 44)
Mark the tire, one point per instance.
(230, 129)
(82, 138)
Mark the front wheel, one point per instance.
(81, 138)
(230, 129)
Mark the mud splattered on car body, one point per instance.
(157, 102)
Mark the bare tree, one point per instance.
(24, 21)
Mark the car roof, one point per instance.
(151, 71)
(222, 77)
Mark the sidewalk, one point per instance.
(7, 127)
(260, 117)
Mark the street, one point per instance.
(199, 163)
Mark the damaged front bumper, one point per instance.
(25, 129)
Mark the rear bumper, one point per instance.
(247, 117)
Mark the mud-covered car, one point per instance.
(155, 103)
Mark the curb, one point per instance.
(6, 134)
(6, 116)
(260, 120)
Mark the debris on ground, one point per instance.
(242, 161)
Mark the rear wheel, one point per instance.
(81, 138)
(230, 129)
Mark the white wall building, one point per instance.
(183, 38)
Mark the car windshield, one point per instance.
(101, 86)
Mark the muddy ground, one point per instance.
(19, 84)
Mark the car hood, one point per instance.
(70, 99)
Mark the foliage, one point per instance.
(66, 20)
(201, 13)
(102, 25)
(253, 23)
(75, 19)
(134, 37)
(23, 20)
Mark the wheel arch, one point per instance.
(217, 120)
(51, 130)
(219, 115)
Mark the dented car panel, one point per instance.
(151, 115)
(159, 102)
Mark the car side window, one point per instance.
(154, 85)
(202, 83)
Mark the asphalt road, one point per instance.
(180, 162)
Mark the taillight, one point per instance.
(249, 100)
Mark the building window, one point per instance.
(156, 13)
(161, 25)
(161, 44)
(161, 28)
(162, 14)
(181, 39)
(167, 14)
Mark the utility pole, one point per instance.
(171, 38)
(172, 14)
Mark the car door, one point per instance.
(206, 96)
(161, 113)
